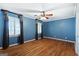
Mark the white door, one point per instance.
(39, 29)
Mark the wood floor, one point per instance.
(42, 47)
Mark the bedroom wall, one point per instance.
(29, 29)
(62, 29)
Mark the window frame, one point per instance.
(14, 34)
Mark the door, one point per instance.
(39, 30)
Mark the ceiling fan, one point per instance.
(46, 14)
(43, 14)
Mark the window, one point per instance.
(39, 28)
(14, 26)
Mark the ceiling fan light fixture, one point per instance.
(43, 18)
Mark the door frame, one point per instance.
(36, 34)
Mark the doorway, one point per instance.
(39, 30)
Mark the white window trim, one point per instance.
(16, 33)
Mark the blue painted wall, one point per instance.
(63, 29)
(29, 28)
(1, 28)
(59, 28)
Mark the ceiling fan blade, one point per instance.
(49, 14)
(43, 13)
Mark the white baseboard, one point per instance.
(29, 40)
(0, 47)
(44, 37)
(10, 45)
(17, 43)
(13, 44)
(60, 39)
(39, 38)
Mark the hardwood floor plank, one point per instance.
(42, 47)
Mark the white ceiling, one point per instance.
(60, 10)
